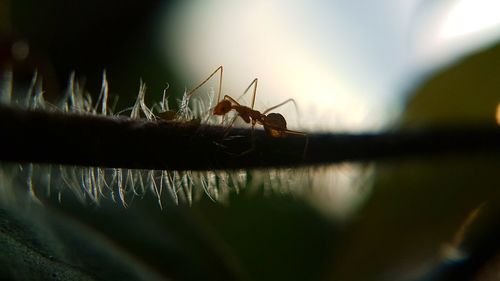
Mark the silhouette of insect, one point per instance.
(274, 123)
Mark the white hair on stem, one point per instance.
(94, 184)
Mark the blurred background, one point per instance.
(350, 66)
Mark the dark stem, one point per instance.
(90, 140)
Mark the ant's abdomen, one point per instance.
(275, 124)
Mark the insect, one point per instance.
(274, 123)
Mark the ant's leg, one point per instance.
(228, 128)
(281, 104)
(223, 119)
(252, 138)
(226, 131)
(253, 146)
(306, 144)
(254, 92)
(254, 83)
(221, 68)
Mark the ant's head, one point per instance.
(223, 107)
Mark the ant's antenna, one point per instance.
(221, 68)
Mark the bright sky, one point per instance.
(348, 64)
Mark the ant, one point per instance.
(274, 123)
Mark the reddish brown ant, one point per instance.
(274, 123)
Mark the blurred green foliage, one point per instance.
(467, 93)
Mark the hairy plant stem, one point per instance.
(104, 141)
